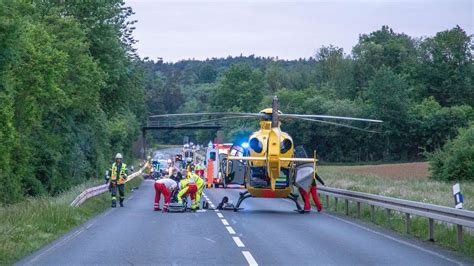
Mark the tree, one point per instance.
(240, 89)
(335, 72)
(447, 70)
(388, 98)
(456, 160)
(383, 47)
(56, 131)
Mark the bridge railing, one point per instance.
(175, 123)
(460, 218)
(97, 190)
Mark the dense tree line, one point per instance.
(423, 90)
(71, 93)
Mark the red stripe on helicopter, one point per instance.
(268, 193)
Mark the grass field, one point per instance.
(406, 181)
(29, 225)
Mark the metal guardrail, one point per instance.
(97, 190)
(433, 212)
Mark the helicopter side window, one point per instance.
(285, 145)
(256, 145)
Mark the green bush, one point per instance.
(455, 161)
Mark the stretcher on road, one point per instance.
(175, 206)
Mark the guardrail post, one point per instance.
(347, 207)
(460, 236)
(327, 201)
(372, 213)
(358, 210)
(389, 214)
(335, 204)
(431, 229)
(407, 223)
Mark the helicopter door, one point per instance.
(237, 169)
(304, 176)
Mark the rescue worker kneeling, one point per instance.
(187, 187)
(164, 186)
(200, 184)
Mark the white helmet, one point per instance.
(118, 156)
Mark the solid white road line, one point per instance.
(220, 215)
(238, 242)
(396, 240)
(231, 230)
(248, 256)
(224, 221)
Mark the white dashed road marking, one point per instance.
(248, 256)
(231, 230)
(239, 242)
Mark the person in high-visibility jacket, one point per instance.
(200, 169)
(148, 170)
(118, 176)
(200, 184)
(187, 187)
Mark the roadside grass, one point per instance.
(421, 189)
(29, 225)
(445, 235)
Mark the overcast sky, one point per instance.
(176, 30)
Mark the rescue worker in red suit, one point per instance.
(164, 186)
(312, 192)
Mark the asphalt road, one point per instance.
(266, 232)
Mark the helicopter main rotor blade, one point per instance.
(213, 120)
(209, 114)
(331, 117)
(334, 124)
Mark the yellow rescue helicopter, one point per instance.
(271, 168)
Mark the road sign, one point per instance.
(458, 197)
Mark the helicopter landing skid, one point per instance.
(246, 195)
(294, 198)
(242, 197)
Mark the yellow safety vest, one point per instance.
(122, 174)
(197, 179)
